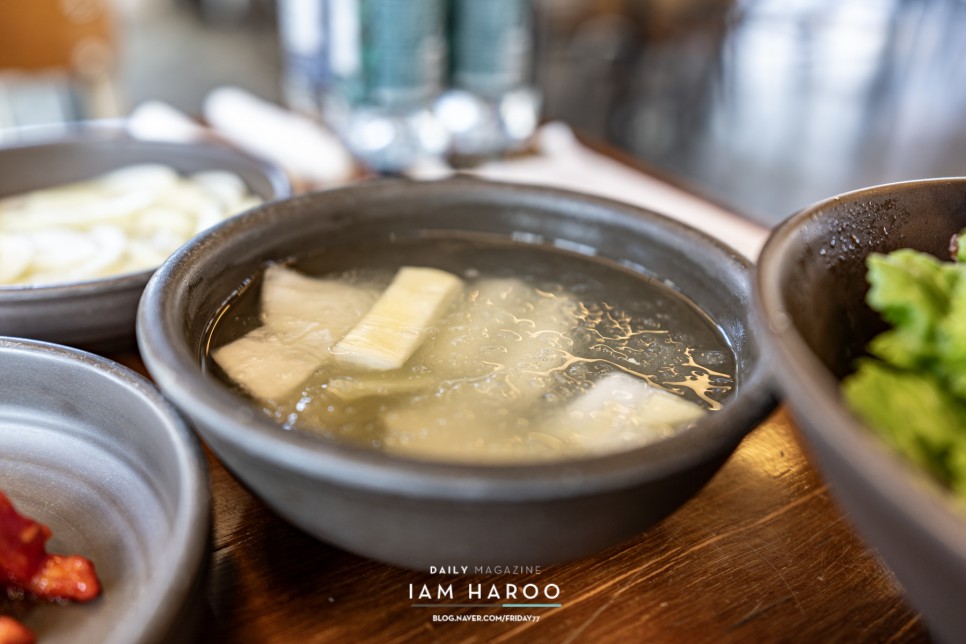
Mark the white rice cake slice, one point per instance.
(399, 321)
(620, 412)
(302, 317)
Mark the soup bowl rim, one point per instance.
(224, 416)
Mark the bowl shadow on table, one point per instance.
(734, 535)
(262, 559)
(811, 297)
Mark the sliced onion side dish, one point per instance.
(125, 221)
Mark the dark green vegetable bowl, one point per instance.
(811, 298)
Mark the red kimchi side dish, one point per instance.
(27, 571)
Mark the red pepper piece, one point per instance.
(21, 545)
(13, 632)
(25, 564)
(65, 578)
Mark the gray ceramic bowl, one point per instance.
(99, 314)
(92, 450)
(417, 514)
(811, 296)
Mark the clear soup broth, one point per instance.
(539, 353)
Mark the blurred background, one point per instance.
(763, 105)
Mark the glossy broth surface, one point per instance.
(514, 370)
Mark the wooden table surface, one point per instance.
(762, 554)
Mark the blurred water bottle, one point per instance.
(492, 105)
(304, 58)
(376, 68)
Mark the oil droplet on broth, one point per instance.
(524, 345)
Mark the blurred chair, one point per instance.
(58, 62)
(818, 97)
(768, 105)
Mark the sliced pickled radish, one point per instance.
(143, 176)
(68, 256)
(127, 220)
(111, 247)
(188, 197)
(208, 218)
(227, 187)
(141, 256)
(150, 221)
(61, 249)
(16, 252)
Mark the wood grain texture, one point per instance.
(761, 554)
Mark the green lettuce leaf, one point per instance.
(914, 394)
(914, 414)
(951, 340)
(912, 291)
(960, 247)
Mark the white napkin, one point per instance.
(314, 157)
(311, 155)
(564, 162)
(300, 145)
